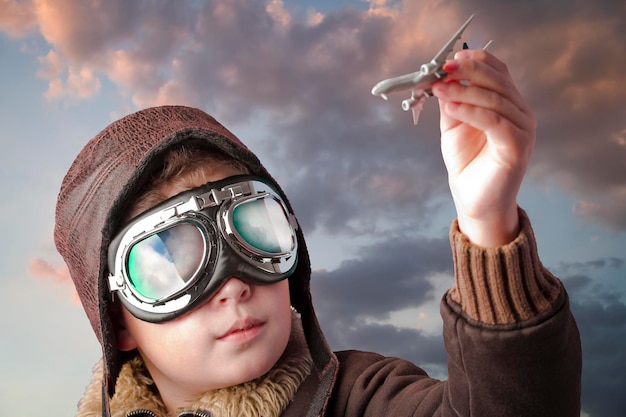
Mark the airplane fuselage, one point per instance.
(414, 81)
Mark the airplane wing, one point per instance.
(445, 51)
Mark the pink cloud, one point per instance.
(40, 268)
(17, 18)
(81, 30)
(52, 65)
(58, 274)
(79, 84)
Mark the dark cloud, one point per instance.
(424, 350)
(353, 299)
(610, 263)
(385, 277)
(603, 335)
(600, 310)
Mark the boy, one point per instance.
(189, 261)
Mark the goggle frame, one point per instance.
(210, 209)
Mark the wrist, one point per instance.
(492, 231)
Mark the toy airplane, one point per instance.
(420, 82)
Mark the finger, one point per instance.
(446, 122)
(501, 133)
(481, 74)
(483, 56)
(486, 99)
(480, 68)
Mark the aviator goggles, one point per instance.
(178, 254)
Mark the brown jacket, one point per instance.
(529, 371)
(529, 366)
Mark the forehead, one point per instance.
(187, 180)
(196, 178)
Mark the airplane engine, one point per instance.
(409, 103)
(428, 68)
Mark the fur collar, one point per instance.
(265, 396)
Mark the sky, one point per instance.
(292, 79)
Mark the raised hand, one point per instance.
(487, 137)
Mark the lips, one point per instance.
(242, 329)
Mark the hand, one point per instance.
(487, 137)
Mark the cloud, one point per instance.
(59, 274)
(52, 65)
(598, 303)
(354, 300)
(390, 276)
(425, 350)
(308, 76)
(604, 208)
(603, 329)
(81, 30)
(42, 269)
(79, 84)
(276, 10)
(17, 18)
(84, 37)
(595, 264)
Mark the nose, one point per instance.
(234, 290)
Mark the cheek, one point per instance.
(279, 296)
(282, 304)
(163, 336)
(173, 349)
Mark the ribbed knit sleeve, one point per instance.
(502, 285)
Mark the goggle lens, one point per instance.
(162, 264)
(263, 224)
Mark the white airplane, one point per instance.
(420, 82)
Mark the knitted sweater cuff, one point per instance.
(501, 285)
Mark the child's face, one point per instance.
(236, 336)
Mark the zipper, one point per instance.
(148, 413)
(141, 413)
